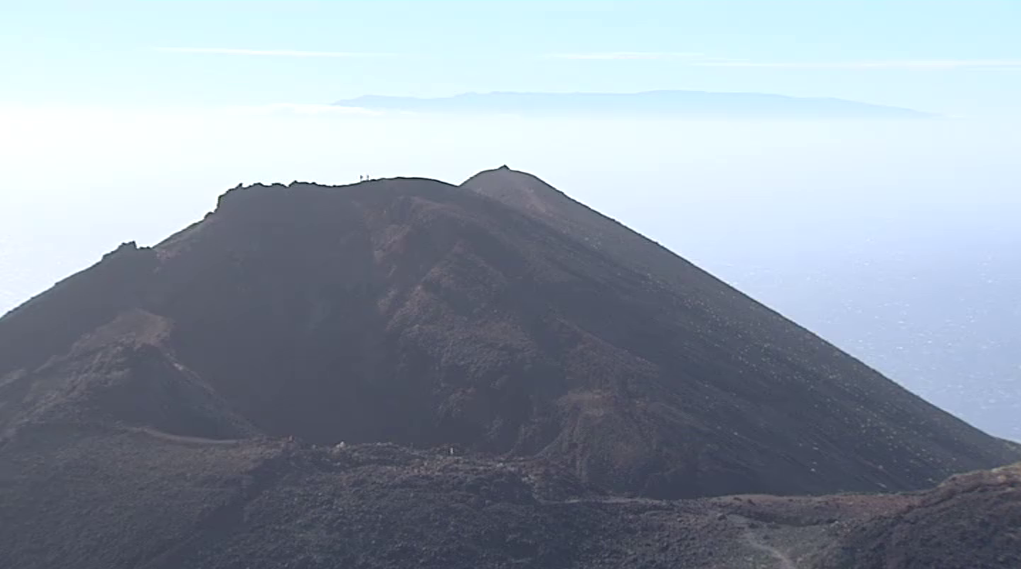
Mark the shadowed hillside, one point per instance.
(474, 376)
(415, 312)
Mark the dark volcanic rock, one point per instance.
(415, 312)
(107, 498)
(405, 372)
(971, 520)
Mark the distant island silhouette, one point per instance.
(691, 104)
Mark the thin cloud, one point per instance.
(631, 55)
(270, 52)
(694, 59)
(891, 64)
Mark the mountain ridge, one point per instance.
(473, 376)
(424, 242)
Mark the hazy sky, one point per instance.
(959, 57)
(898, 241)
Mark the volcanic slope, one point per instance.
(500, 318)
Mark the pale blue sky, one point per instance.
(956, 57)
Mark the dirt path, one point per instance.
(184, 439)
(609, 500)
(750, 537)
(782, 558)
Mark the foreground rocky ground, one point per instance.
(191, 502)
